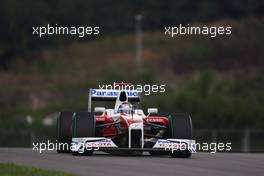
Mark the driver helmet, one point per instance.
(124, 108)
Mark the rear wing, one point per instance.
(110, 95)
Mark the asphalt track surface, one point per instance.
(201, 164)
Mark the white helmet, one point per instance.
(125, 108)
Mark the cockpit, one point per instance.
(125, 108)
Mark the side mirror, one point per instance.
(152, 110)
(99, 109)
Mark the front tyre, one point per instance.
(64, 131)
(180, 127)
(181, 154)
(83, 126)
(86, 153)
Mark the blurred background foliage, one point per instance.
(218, 80)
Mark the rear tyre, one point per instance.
(64, 132)
(180, 127)
(83, 126)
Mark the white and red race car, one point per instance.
(124, 129)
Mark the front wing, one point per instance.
(81, 145)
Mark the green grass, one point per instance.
(8, 169)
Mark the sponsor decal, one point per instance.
(82, 144)
(168, 144)
(175, 145)
(112, 93)
(100, 119)
(154, 119)
(95, 142)
(102, 143)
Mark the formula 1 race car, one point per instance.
(125, 129)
